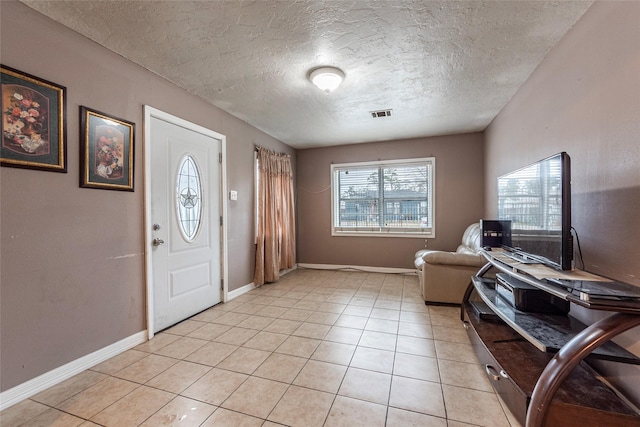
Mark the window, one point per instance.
(385, 198)
(189, 198)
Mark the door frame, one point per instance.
(149, 113)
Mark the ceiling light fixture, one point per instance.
(380, 113)
(327, 78)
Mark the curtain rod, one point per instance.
(257, 148)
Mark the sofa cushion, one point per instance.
(422, 252)
(471, 240)
(470, 245)
(453, 258)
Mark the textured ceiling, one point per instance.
(443, 67)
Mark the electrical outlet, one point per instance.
(233, 195)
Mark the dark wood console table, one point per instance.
(534, 361)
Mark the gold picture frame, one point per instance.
(106, 151)
(33, 122)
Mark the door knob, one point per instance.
(157, 242)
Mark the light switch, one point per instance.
(233, 195)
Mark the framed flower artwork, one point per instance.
(33, 122)
(106, 151)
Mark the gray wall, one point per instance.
(73, 259)
(459, 199)
(585, 99)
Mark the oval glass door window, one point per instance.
(189, 198)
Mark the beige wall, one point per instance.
(459, 199)
(72, 267)
(72, 259)
(585, 99)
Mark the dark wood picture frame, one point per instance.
(34, 131)
(106, 151)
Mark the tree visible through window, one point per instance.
(384, 198)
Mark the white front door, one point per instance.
(184, 221)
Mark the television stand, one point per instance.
(521, 258)
(535, 361)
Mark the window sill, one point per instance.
(416, 235)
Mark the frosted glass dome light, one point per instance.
(327, 78)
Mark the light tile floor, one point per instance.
(318, 348)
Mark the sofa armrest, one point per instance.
(453, 258)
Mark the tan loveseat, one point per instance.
(444, 276)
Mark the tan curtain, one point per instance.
(276, 245)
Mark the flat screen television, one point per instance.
(537, 200)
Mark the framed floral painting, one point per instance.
(33, 122)
(106, 151)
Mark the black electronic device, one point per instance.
(537, 201)
(495, 234)
(525, 297)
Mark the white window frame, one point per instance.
(336, 230)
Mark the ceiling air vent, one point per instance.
(380, 113)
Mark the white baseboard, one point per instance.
(240, 291)
(246, 288)
(57, 375)
(288, 270)
(367, 269)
